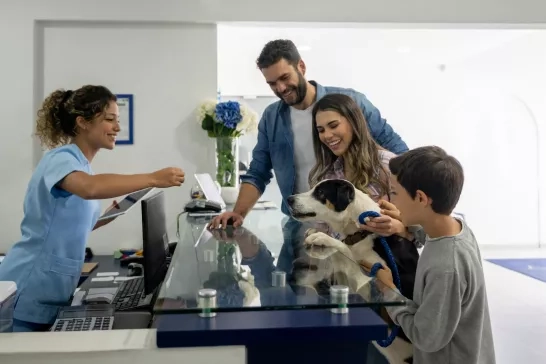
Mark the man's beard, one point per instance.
(300, 91)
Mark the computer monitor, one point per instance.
(155, 241)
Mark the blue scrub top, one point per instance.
(46, 263)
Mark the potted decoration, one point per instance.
(226, 122)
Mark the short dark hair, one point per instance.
(276, 50)
(433, 171)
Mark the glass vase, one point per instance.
(226, 161)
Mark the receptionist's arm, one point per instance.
(102, 186)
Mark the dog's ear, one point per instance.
(345, 195)
(336, 194)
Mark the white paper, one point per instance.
(77, 299)
(121, 279)
(107, 274)
(102, 279)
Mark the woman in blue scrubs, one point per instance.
(61, 204)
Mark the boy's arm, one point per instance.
(431, 325)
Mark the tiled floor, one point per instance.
(518, 309)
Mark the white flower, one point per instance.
(206, 108)
(249, 122)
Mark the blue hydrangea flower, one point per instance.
(228, 113)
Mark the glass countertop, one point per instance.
(262, 265)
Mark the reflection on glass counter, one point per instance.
(260, 266)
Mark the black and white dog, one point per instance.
(339, 204)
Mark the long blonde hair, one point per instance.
(362, 154)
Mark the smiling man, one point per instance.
(284, 133)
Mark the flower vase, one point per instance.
(227, 162)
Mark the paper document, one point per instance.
(107, 274)
(265, 205)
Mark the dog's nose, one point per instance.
(290, 200)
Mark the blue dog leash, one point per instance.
(377, 266)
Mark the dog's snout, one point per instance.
(290, 200)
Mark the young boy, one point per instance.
(448, 319)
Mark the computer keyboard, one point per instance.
(84, 324)
(84, 318)
(129, 294)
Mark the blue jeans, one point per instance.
(25, 326)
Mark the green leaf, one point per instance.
(208, 123)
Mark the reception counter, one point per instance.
(253, 294)
(106, 347)
(259, 286)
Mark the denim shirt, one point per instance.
(275, 147)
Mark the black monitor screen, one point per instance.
(155, 241)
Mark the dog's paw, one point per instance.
(310, 231)
(320, 239)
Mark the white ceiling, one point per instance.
(437, 46)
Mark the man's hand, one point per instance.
(222, 220)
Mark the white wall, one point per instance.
(19, 74)
(169, 69)
(483, 107)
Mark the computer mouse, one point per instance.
(202, 206)
(230, 221)
(107, 300)
(135, 270)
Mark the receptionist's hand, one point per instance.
(101, 223)
(168, 177)
(221, 221)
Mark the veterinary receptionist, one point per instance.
(61, 204)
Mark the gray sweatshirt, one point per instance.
(448, 320)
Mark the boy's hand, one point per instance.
(384, 275)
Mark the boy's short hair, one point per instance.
(433, 171)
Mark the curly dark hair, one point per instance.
(56, 123)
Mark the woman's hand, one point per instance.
(114, 205)
(389, 223)
(389, 209)
(384, 225)
(168, 177)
